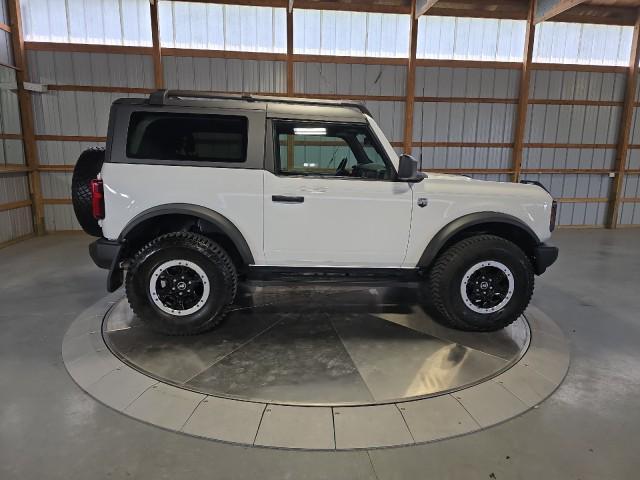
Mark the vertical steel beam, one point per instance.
(523, 98)
(290, 70)
(411, 82)
(26, 117)
(624, 132)
(158, 74)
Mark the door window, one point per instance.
(329, 150)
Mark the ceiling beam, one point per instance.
(423, 6)
(547, 9)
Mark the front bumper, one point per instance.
(543, 257)
(106, 254)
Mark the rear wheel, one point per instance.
(181, 284)
(86, 169)
(482, 283)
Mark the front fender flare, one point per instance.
(462, 223)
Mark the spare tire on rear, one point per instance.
(87, 168)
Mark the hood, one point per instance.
(462, 185)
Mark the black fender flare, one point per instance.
(462, 223)
(220, 221)
(115, 277)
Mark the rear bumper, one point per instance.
(543, 257)
(106, 254)
(103, 252)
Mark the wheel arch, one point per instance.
(495, 223)
(168, 217)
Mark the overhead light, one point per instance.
(309, 131)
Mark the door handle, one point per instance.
(286, 199)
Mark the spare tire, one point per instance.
(87, 168)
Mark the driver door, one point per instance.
(332, 198)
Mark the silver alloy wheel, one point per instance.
(179, 287)
(487, 287)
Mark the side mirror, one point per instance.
(408, 169)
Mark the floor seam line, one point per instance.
(405, 422)
(255, 437)
(373, 468)
(465, 409)
(373, 398)
(242, 345)
(192, 412)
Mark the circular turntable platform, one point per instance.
(322, 366)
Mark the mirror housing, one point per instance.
(408, 169)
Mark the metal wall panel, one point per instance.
(570, 158)
(360, 34)
(634, 137)
(74, 113)
(4, 12)
(463, 122)
(389, 116)
(558, 42)
(467, 82)
(60, 218)
(223, 27)
(562, 85)
(62, 153)
(14, 187)
(15, 224)
(9, 109)
(463, 157)
(56, 184)
(629, 213)
(572, 124)
(6, 52)
(349, 79)
(124, 22)
(100, 69)
(223, 75)
(470, 38)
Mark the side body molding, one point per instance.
(458, 225)
(219, 221)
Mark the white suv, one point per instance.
(196, 191)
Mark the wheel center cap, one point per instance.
(181, 286)
(484, 285)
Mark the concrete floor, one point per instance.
(587, 430)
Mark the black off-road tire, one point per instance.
(444, 280)
(203, 252)
(86, 169)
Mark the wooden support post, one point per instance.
(523, 99)
(411, 82)
(156, 48)
(26, 117)
(290, 70)
(624, 132)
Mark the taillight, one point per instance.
(554, 211)
(97, 199)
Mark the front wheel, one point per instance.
(181, 284)
(483, 283)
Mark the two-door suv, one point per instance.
(196, 191)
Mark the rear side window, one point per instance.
(188, 137)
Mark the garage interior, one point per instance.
(545, 91)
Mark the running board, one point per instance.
(341, 274)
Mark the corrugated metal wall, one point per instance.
(593, 131)
(441, 127)
(14, 184)
(76, 114)
(464, 117)
(629, 213)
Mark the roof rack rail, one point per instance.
(161, 97)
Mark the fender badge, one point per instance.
(423, 202)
